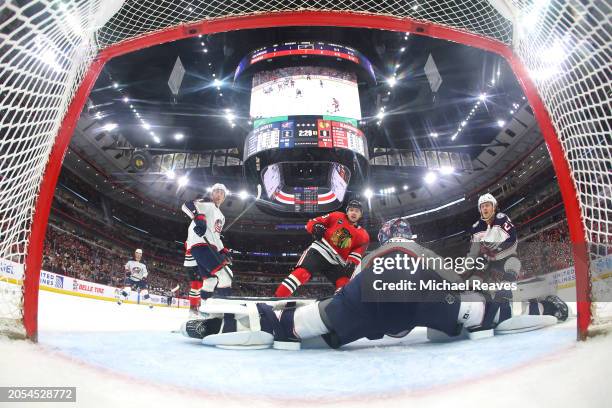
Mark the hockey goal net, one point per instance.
(51, 53)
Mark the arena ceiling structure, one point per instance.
(428, 95)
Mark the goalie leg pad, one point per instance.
(308, 322)
(249, 335)
(254, 340)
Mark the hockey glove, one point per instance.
(226, 257)
(200, 225)
(489, 248)
(349, 269)
(318, 231)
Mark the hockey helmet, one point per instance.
(395, 228)
(354, 204)
(487, 198)
(219, 186)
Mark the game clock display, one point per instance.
(305, 132)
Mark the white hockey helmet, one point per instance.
(487, 198)
(219, 186)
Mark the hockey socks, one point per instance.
(194, 295)
(298, 277)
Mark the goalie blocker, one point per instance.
(347, 317)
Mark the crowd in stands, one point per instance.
(546, 251)
(70, 251)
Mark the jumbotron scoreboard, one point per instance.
(289, 133)
(306, 148)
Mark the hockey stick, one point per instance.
(257, 197)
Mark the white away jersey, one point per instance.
(214, 225)
(502, 234)
(137, 270)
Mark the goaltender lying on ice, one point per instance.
(352, 313)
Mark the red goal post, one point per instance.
(44, 92)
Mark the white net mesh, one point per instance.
(46, 47)
(565, 46)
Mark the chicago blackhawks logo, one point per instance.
(341, 238)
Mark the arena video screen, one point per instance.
(305, 91)
(306, 187)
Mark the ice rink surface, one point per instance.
(129, 355)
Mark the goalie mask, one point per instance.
(395, 229)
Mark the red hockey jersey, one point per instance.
(343, 241)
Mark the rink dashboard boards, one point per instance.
(324, 132)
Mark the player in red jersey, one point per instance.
(336, 251)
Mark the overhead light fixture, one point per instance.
(178, 136)
(463, 123)
(156, 139)
(501, 123)
(183, 181)
(368, 193)
(402, 49)
(115, 85)
(391, 81)
(205, 50)
(482, 97)
(433, 134)
(430, 177)
(126, 99)
(380, 115)
(110, 126)
(243, 195)
(146, 125)
(446, 170)
(405, 187)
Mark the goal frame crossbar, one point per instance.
(33, 261)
